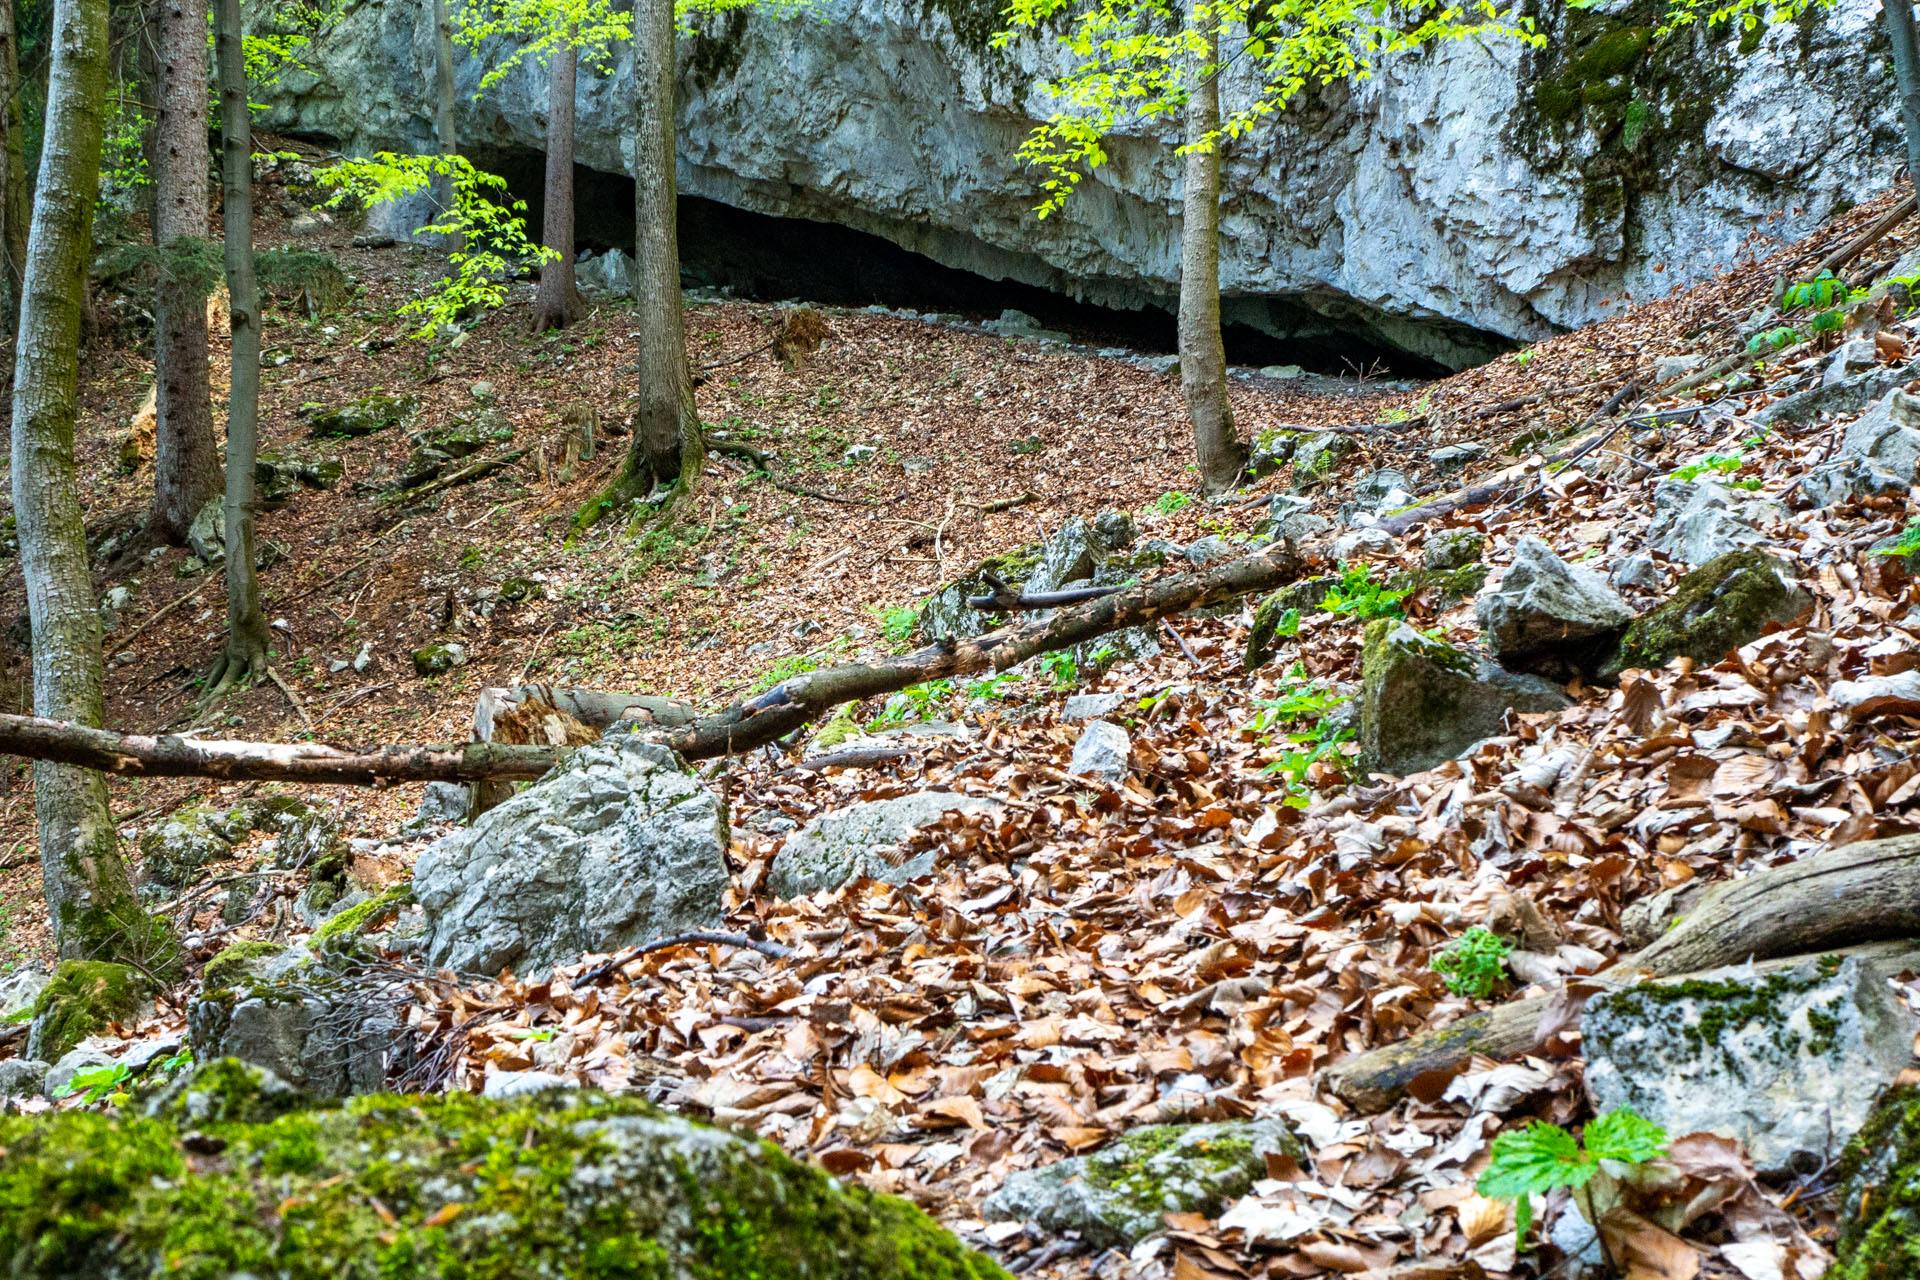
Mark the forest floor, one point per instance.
(1193, 944)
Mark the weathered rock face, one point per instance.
(1546, 610)
(1720, 606)
(1423, 701)
(1788, 1062)
(1879, 454)
(838, 846)
(616, 846)
(1390, 207)
(1118, 1195)
(406, 1186)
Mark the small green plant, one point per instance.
(104, 1082)
(1725, 464)
(915, 702)
(1361, 596)
(1543, 1157)
(1169, 502)
(1473, 964)
(1289, 624)
(1908, 545)
(1304, 702)
(1822, 291)
(993, 686)
(1062, 666)
(1828, 321)
(898, 624)
(1778, 338)
(1525, 357)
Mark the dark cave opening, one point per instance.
(762, 257)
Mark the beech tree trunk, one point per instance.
(557, 302)
(14, 196)
(1906, 76)
(443, 130)
(87, 888)
(668, 446)
(1203, 352)
(186, 469)
(246, 649)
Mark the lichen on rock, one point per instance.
(1423, 701)
(1880, 1194)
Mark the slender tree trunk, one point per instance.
(14, 196)
(1906, 76)
(444, 135)
(87, 888)
(246, 651)
(557, 303)
(1203, 353)
(186, 457)
(668, 446)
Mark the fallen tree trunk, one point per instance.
(1858, 893)
(742, 727)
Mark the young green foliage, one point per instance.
(492, 236)
(1474, 963)
(1542, 1157)
(590, 27)
(1137, 60)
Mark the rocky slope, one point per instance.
(1618, 164)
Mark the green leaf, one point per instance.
(1537, 1158)
(1623, 1135)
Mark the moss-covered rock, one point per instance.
(1720, 606)
(237, 963)
(365, 416)
(947, 615)
(177, 846)
(1315, 457)
(411, 1188)
(436, 659)
(364, 916)
(1453, 549)
(84, 997)
(1423, 701)
(1118, 1195)
(1880, 1194)
(1297, 598)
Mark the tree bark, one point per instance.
(1203, 352)
(742, 727)
(246, 648)
(87, 888)
(1858, 893)
(1906, 76)
(443, 129)
(556, 304)
(186, 470)
(14, 196)
(667, 445)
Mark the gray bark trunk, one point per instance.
(14, 196)
(444, 135)
(86, 883)
(1203, 352)
(246, 651)
(557, 302)
(666, 431)
(186, 458)
(1906, 76)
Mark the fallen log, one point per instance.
(1858, 893)
(742, 727)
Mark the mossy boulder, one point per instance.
(238, 963)
(570, 1183)
(278, 474)
(364, 417)
(1119, 1194)
(1720, 606)
(437, 659)
(84, 998)
(1880, 1194)
(176, 847)
(468, 435)
(313, 1015)
(1453, 549)
(948, 616)
(1298, 598)
(1422, 701)
(1787, 1059)
(1315, 457)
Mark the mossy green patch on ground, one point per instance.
(84, 997)
(450, 1186)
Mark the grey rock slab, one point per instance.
(442, 802)
(1698, 520)
(19, 990)
(1090, 706)
(322, 1036)
(23, 1077)
(1543, 603)
(616, 846)
(1316, 455)
(1640, 572)
(1880, 453)
(1118, 1195)
(1453, 549)
(1290, 517)
(1422, 701)
(847, 843)
(1669, 368)
(1102, 751)
(207, 535)
(1454, 457)
(1788, 1061)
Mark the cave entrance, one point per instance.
(766, 258)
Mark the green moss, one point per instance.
(231, 964)
(1720, 606)
(1879, 1181)
(83, 998)
(356, 919)
(838, 729)
(450, 1187)
(1730, 1007)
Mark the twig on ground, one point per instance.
(137, 632)
(305, 719)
